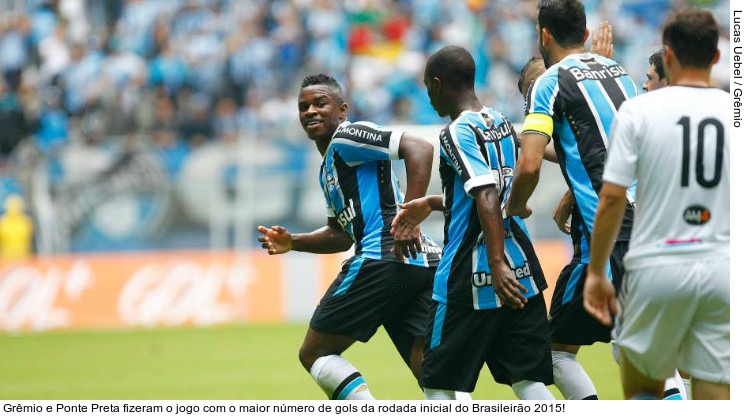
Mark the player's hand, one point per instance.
(599, 298)
(562, 212)
(410, 216)
(276, 240)
(523, 212)
(505, 283)
(406, 229)
(602, 40)
(407, 245)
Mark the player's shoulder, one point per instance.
(359, 131)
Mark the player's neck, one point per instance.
(468, 102)
(561, 53)
(322, 145)
(693, 77)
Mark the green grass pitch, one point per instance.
(226, 363)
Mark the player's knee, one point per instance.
(308, 356)
(309, 353)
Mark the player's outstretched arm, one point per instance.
(527, 174)
(503, 280)
(326, 240)
(602, 40)
(599, 293)
(413, 213)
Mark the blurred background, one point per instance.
(140, 132)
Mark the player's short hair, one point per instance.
(656, 60)
(323, 80)
(527, 66)
(565, 19)
(454, 66)
(692, 34)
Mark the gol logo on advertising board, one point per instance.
(125, 291)
(182, 293)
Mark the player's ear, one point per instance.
(716, 57)
(342, 110)
(545, 39)
(586, 35)
(437, 84)
(667, 58)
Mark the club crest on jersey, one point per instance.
(331, 183)
(696, 215)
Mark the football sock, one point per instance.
(570, 378)
(529, 390)
(440, 394)
(463, 396)
(339, 379)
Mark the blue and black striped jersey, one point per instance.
(362, 191)
(479, 149)
(575, 102)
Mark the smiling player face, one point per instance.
(321, 110)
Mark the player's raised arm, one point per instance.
(328, 239)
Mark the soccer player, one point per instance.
(488, 260)
(675, 141)
(676, 387)
(572, 104)
(655, 77)
(375, 286)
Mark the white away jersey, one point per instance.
(675, 141)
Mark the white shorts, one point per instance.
(678, 316)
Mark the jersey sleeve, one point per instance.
(462, 152)
(359, 142)
(622, 156)
(540, 105)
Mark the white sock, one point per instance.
(440, 394)
(674, 388)
(463, 396)
(339, 379)
(570, 378)
(529, 390)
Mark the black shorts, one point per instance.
(570, 323)
(369, 293)
(514, 343)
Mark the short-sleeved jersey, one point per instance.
(479, 149)
(575, 102)
(362, 191)
(675, 141)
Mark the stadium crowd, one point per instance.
(170, 75)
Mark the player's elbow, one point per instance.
(528, 167)
(416, 148)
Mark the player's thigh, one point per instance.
(658, 305)
(570, 323)
(521, 348)
(359, 299)
(706, 350)
(456, 345)
(408, 321)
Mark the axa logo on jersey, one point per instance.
(696, 215)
